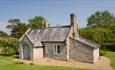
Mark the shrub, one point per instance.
(108, 46)
(102, 53)
(31, 63)
(10, 46)
(18, 62)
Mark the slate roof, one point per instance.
(51, 34)
(87, 42)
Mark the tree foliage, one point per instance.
(9, 46)
(101, 19)
(36, 22)
(98, 35)
(3, 34)
(100, 28)
(17, 28)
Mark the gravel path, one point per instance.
(102, 64)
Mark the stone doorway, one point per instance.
(26, 52)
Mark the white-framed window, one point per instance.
(56, 49)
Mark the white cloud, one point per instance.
(3, 27)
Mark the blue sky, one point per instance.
(55, 11)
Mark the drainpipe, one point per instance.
(67, 45)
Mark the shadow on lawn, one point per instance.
(15, 56)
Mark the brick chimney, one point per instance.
(73, 25)
(45, 23)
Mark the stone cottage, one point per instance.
(62, 43)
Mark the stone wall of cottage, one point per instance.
(37, 53)
(80, 51)
(49, 51)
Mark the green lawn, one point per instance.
(7, 63)
(111, 55)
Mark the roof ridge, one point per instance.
(55, 27)
(59, 26)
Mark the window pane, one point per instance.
(58, 49)
(54, 49)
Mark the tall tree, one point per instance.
(13, 23)
(17, 28)
(36, 22)
(101, 19)
(100, 28)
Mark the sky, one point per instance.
(57, 12)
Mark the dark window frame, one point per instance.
(57, 49)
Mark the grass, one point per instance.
(111, 55)
(0, 49)
(8, 63)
